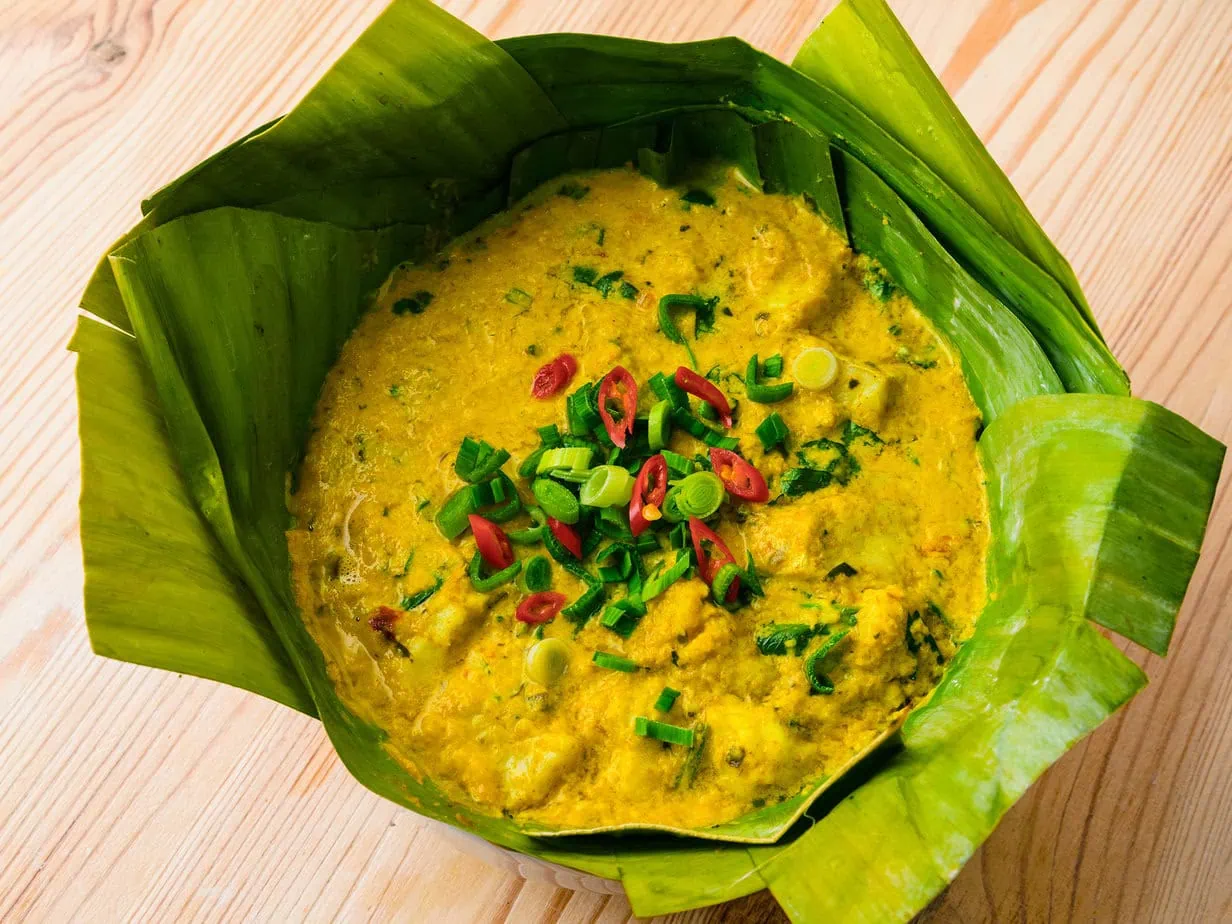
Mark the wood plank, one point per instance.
(131, 794)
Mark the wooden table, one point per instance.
(130, 794)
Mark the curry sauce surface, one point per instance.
(895, 555)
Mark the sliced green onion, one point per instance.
(505, 497)
(666, 388)
(547, 660)
(700, 495)
(659, 582)
(614, 662)
(582, 410)
(478, 460)
(607, 486)
(531, 535)
(550, 436)
(623, 616)
(764, 394)
(571, 477)
(773, 366)
(677, 465)
(591, 600)
(660, 426)
(556, 500)
(491, 582)
(568, 459)
(530, 464)
(421, 597)
(451, 519)
(666, 700)
(621, 557)
(772, 432)
(661, 731)
(695, 428)
(812, 667)
(536, 574)
(613, 522)
(671, 506)
(723, 580)
(647, 542)
(815, 368)
(679, 537)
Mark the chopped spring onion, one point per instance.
(666, 700)
(764, 394)
(607, 486)
(550, 436)
(614, 662)
(536, 574)
(815, 368)
(556, 500)
(566, 459)
(582, 410)
(677, 465)
(547, 660)
(666, 388)
(505, 497)
(591, 600)
(478, 460)
(621, 557)
(451, 519)
(623, 616)
(773, 366)
(660, 426)
(699, 495)
(722, 583)
(530, 464)
(421, 597)
(662, 580)
(812, 667)
(533, 534)
(492, 581)
(695, 428)
(772, 432)
(693, 762)
(679, 537)
(661, 731)
(613, 523)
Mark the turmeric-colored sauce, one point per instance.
(886, 549)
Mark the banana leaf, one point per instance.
(234, 293)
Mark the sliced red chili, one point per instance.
(618, 404)
(553, 377)
(540, 607)
(493, 544)
(740, 478)
(567, 536)
(712, 554)
(703, 388)
(648, 491)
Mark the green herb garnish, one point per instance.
(614, 662)
(662, 731)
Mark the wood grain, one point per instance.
(128, 794)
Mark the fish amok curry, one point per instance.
(640, 506)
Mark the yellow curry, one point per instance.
(603, 606)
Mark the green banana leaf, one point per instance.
(234, 293)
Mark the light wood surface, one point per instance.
(130, 794)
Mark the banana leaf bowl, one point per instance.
(211, 324)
